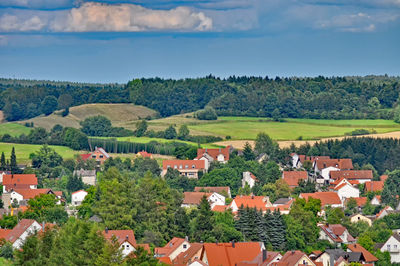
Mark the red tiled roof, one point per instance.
(184, 164)
(78, 191)
(85, 156)
(185, 257)
(337, 230)
(352, 174)
(292, 178)
(374, 185)
(361, 201)
(145, 154)
(170, 246)
(31, 193)
(214, 153)
(121, 235)
(165, 260)
(23, 179)
(291, 258)
(194, 198)
(303, 158)
(19, 229)
(227, 255)
(337, 181)
(212, 189)
(258, 202)
(219, 208)
(327, 198)
(367, 255)
(343, 164)
(387, 208)
(384, 177)
(4, 233)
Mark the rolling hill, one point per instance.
(119, 114)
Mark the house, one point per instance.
(360, 201)
(219, 208)
(248, 179)
(22, 181)
(193, 253)
(2, 173)
(126, 240)
(99, 155)
(392, 245)
(77, 197)
(298, 160)
(230, 254)
(88, 176)
(383, 178)
(292, 178)
(145, 154)
(361, 176)
(325, 166)
(282, 201)
(294, 258)
(210, 155)
(261, 157)
(385, 211)
(266, 258)
(334, 183)
(21, 231)
(4, 233)
(219, 190)
(258, 202)
(327, 198)
(367, 257)
(355, 218)
(173, 248)
(332, 257)
(336, 234)
(191, 199)
(23, 195)
(188, 168)
(374, 186)
(376, 200)
(346, 191)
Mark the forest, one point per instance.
(368, 97)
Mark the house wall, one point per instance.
(182, 248)
(247, 180)
(375, 201)
(295, 159)
(126, 248)
(35, 227)
(221, 158)
(357, 218)
(216, 199)
(348, 191)
(77, 198)
(305, 259)
(98, 156)
(325, 172)
(89, 180)
(325, 259)
(394, 250)
(15, 195)
(324, 236)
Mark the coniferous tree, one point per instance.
(204, 221)
(248, 153)
(3, 165)
(13, 162)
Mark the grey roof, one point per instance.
(378, 245)
(396, 236)
(85, 172)
(281, 201)
(355, 256)
(96, 219)
(336, 253)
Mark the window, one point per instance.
(193, 166)
(388, 247)
(395, 246)
(94, 156)
(304, 262)
(180, 166)
(168, 166)
(101, 156)
(123, 246)
(186, 166)
(184, 246)
(175, 167)
(127, 246)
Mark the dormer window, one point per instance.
(184, 246)
(193, 166)
(186, 166)
(180, 166)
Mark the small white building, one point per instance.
(392, 245)
(325, 173)
(346, 191)
(77, 197)
(249, 179)
(21, 231)
(192, 199)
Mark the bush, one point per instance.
(207, 113)
(65, 112)
(359, 132)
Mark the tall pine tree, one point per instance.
(13, 162)
(3, 165)
(204, 223)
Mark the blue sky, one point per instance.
(115, 41)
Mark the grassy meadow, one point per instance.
(13, 129)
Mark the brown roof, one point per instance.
(170, 246)
(31, 193)
(214, 153)
(303, 158)
(228, 254)
(374, 185)
(4, 233)
(361, 201)
(184, 164)
(292, 178)
(19, 181)
(121, 235)
(334, 231)
(367, 255)
(327, 198)
(19, 229)
(188, 255)
(352, 174)
(343, 164)
(194, 198)
(291, 258)
(212, 189)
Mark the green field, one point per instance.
(247, 128)
(22, 151)
(13, 129)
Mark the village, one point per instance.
(336, 183)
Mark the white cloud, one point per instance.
(98, 17)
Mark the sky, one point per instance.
(114, 41)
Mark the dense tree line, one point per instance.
(320, 97)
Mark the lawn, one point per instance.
(22, 151)
(308, 129)
(13, 129)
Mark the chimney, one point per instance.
(264, 255)
(233, 243)
(216, 242)
(127, 238)
(206, 150)
(187, 238)
(219, 150)
(292, 252)
(106, 230)
(43, 226)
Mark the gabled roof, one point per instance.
(185, 257)
(19, 229)
(387, 209)
(374, 185)
(23, 179)
(170, 247)
(292, 178)
(31, 193)
(214, 153)
(101, 150)
(343, 164)
(145, 154)
(291, 258)
(341, 180)
(326, 198)
(361, 201)
(219, 190)
(303, 158)
(384, 177)
(258, 202)
(194, 198)
(121, 236)
(352, 174)
(229, 254)
(219, 208)
(184, 164)
(334, 231)
(4, 233)
(367, 255)
(282, 201)
(78, 191)
(85, 156)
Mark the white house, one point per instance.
(220, 155)
(346, 191)
(191, 199)
(392, 245)
(21, 231)
(173, 248)
(77, 197)
(126, 240)
(325, 172)
(385, 211)
(376, 200)
(336, 234)
(249, 179)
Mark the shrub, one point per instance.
(207, 113)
